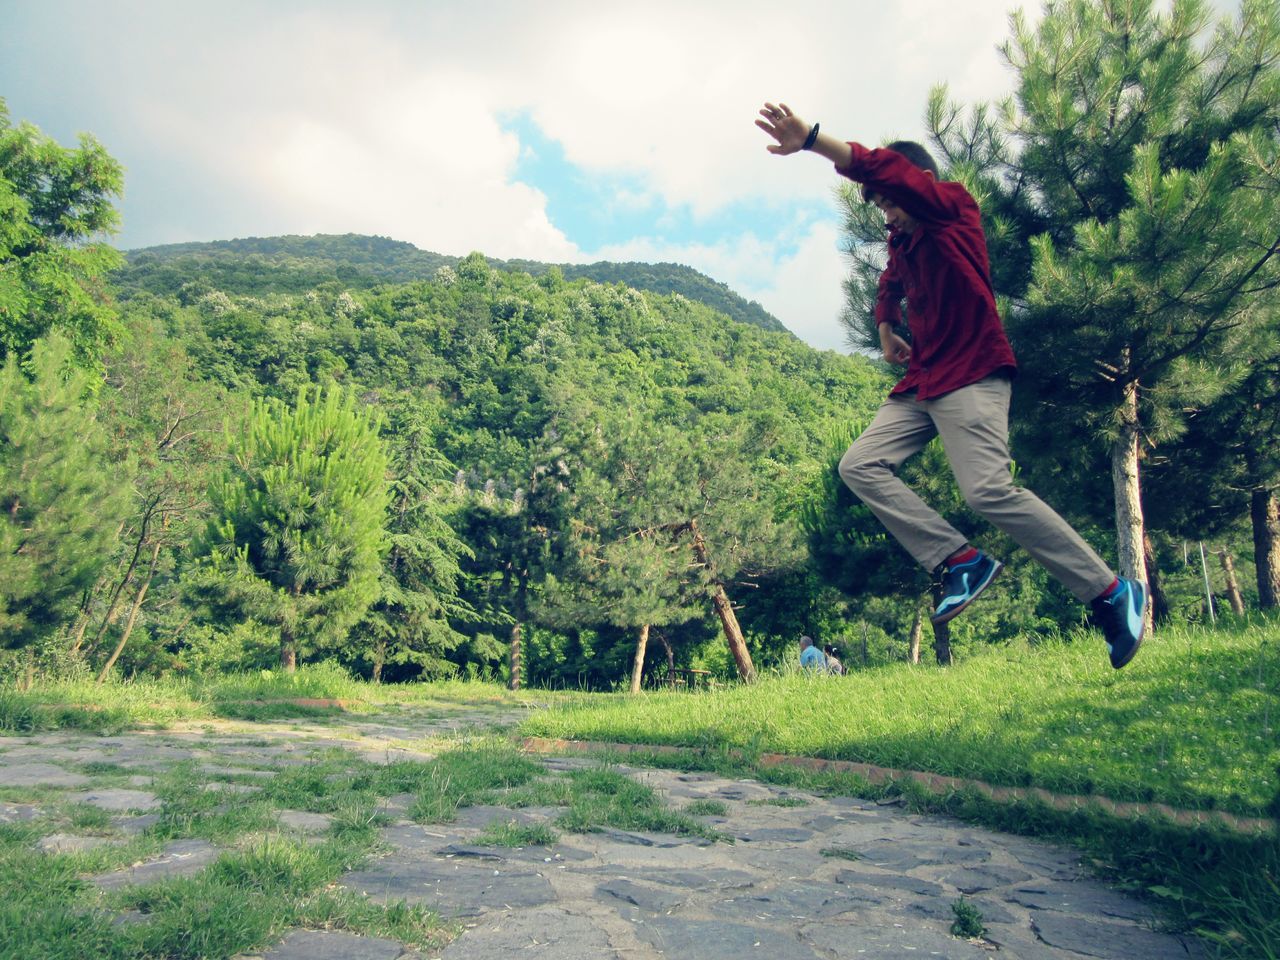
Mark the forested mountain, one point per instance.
(569, 462)
(293, 264)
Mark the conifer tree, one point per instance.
(412, 621)
(1130, 190)
(61, 499)
(299, 521)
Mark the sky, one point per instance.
(560, 131)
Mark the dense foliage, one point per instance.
(1130, 191)
(348, 448)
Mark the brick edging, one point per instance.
(937, 783)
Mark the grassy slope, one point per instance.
(1192, 722)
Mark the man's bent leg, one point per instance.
(974, 424)
(901, 427)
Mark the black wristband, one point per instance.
(812, 138)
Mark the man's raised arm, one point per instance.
(794, 135)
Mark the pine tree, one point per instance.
(299, 521)
(61, 499)
(1130, 190)
(412, 619)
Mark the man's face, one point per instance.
(894, 215)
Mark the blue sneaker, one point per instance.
(962, 583)
(1122, 617)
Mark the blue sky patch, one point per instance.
(596, 209)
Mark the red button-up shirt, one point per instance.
(941, 267)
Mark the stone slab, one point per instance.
(70, 843)
(180, 858)
(40, 775)
(330, 945)
(119, 800)
(1098, 938)
(544, 933)
(647, 898)
(886, 940)
(1081, 897)
(451, 887)
(19, 812)
(676, 937)
(304, 821)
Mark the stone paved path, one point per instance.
(818, 879)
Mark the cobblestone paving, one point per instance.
(818, 879)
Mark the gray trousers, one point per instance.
(973, 423)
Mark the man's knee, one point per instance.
(857, 470)
(988, 494)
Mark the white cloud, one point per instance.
(332, 116)
(800, 288)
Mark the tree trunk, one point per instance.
(637, 665)
(1159, 601)
(1130, 526)
(87, 608)
(1264, 511)
(133, 616)
(110, 616)
(517, 656)
(724, 610)
(941, 633)
(288, 650)
(379, 658)
(917, 632)
(671, 657)
(1233, 585)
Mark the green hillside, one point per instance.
(293, 264)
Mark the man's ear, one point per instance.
(929, 174)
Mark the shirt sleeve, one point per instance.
(889, 295)
(890, 173)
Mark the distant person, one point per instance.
(833, 660)
(811, 658)
(959, 375)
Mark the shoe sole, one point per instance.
(952, 614)
(1133, 651)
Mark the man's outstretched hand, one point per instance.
(785, 127)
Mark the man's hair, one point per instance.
(914, 152)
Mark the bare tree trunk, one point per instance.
(917, 632)
(378, 660)
(941, 633)
(1159, 601)
(671, 657)
(1130, 525)
(1264, 511)
(133, 616)
(110, 617)
(288, 654)
(82, 621)
(724, 610)
(637, 666)
(517, 656)
(87, 608)
(1233, 585)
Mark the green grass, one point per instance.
(841, 853)
(968, 920)
(706, 808)
(262, 886)
(1192, 722)
(512, 834)
(82, 704)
